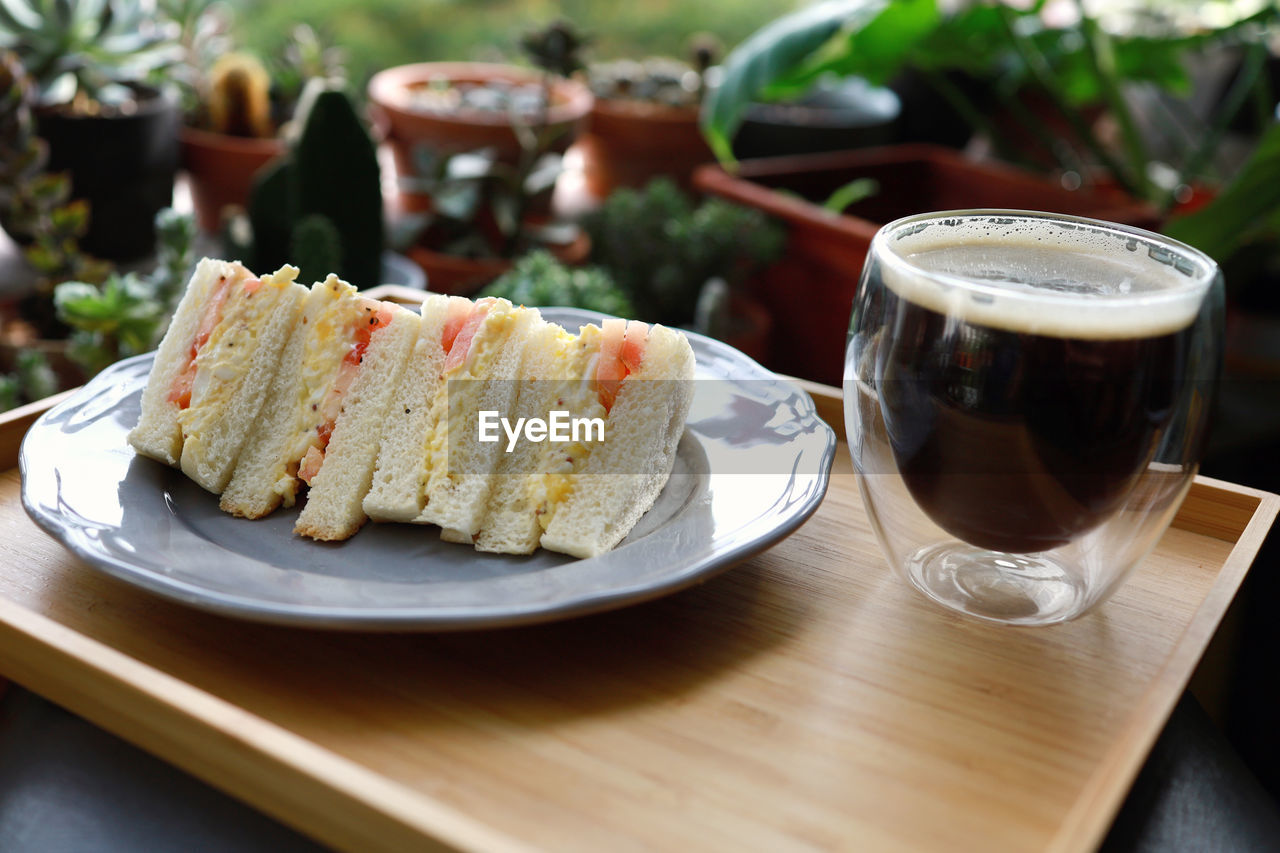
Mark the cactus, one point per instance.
(331, 172)
(316, 247)
(239, 97)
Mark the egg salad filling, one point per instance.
(554, 481)
(221, 349)
(340, 333)
(184, 384)
(469, 356)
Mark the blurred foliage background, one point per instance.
(378, 34)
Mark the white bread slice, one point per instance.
(234, 369)
(158, 433)
(458, 467)
(267, 472)
(551, 379)
(396, 493)
(336, 492)
(624, 474)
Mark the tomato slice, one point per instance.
(461, 344)
(180, 393)
(610, 371)
(377, 315)
(633, 343)
(458, 312)
(311, 464)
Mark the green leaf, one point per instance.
(971, 40)
(72, 218)
(1220, 227)
(876, 51)
(43, 258)
(71, 295)
(1137, 59)
(458, 200)
(18, 16)
(771, 54)
(36, 376)
(8, 392)
(851, 193)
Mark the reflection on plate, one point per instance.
(752, 466)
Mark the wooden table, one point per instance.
(805, 699)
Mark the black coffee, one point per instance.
(1020, 441)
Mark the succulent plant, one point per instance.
(306, 56)
(203, 35)
(127, 314)
(663, 250)
(31, 379)
(34, 204)
(555, 49)
(658, 79)
(86, 53)
(538, 279)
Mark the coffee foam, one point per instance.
(1046, 277)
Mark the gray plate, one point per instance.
(752, 466)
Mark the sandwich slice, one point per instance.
(397, 489)
(555, 378)
(643, 380)
(213, 368)
(480, 373)
(321, 421)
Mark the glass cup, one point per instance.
(1026, 398)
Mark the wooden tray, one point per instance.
(806, 698)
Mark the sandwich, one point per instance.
(551, 380)
(321, 419)
(396, 493)
(586, 496)
(428, 473)
(213, 368)
(262, 387)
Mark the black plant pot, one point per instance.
(123, 165)
(832, 117)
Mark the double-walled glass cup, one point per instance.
(1026, 399)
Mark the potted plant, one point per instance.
(539, 279)
(644, 122)
(688, 265)
(236, 109)
(469, 213)
(105, 122)
(36, 203)
(474, 213)
(452, 107)
(811, 294)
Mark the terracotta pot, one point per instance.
(629, 143)
(221, 169)
(391, 102)
(810, 291)
(464, 276)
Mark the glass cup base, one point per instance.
(1014, 589)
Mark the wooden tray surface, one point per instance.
(806, 698)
